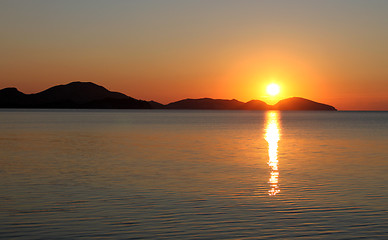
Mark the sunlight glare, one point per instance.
(273, 89)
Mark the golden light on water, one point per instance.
(272, 136)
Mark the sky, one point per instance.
(335, 52)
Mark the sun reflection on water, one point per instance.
(272, 136)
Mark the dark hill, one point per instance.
(256, 105)
(156, 105)
(76, 92)
(72, 95)
(206, 103)
(297, 103)
(11, 97)
(117, 103)
(90, 95)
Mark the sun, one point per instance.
(273, 89)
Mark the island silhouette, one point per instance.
(88, 95)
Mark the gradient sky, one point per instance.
(334, 52)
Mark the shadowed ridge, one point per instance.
(72, 95)
(91, 95)
(206, 103)
(256, 105)
(117, 103)
(297, 103)
(12, 97)
(10, 91)
(156, 105)
(75, 92)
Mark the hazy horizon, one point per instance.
(165, 103)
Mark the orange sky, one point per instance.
(333, 52)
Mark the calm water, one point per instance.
(68, 174)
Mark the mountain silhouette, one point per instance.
(11, 97)
(77, 92)
(156, 105)
(256, 105)
(220, 104)
(72, 95)
(297, 103)
(206, 103)
(91, 95)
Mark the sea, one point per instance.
(193, 174)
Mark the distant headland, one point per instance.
(88, 95)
